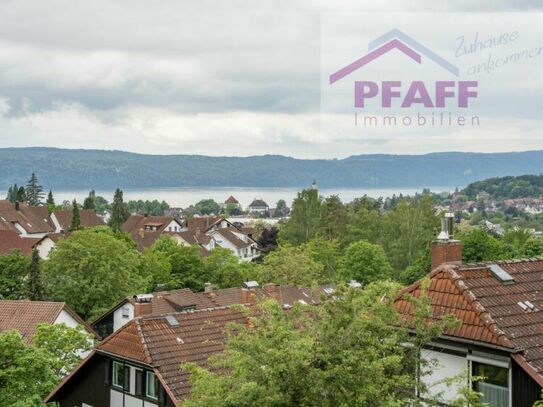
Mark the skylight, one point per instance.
(171, 320)
(501, 274)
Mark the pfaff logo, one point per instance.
(438, 94)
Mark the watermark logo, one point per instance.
(402, 94)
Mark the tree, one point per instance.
(76, 218)
(63, 345)
(13, 271)
(333, 217)
(478, 245)
(21, 194)
(365, 262)
(418, 269)
(34, 191)
(347, 352)
(25, 373)
(119, 211)
(281, 209)
(304, 222)
(34, 281)
(90, 201)
(225, 269)
(291, 265)
(186, 264)
(208, 207)
(92, 270)
(50, 199)
(327, 253)
(407, 229)
(363, 221)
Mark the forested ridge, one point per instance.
(101, 169)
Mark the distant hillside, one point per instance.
(84, 169)
(524, 186)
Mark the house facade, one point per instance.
(500, 308)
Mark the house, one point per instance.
(258, 207)
(164, 302)
(62, 219)
(500, 307)
(241, 244)
(139, 364)
(231, 201)
(29, 221)
(23, 316)
(10, 240)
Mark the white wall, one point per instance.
(118, 320)
(58, 228)
(447, 367)
(66, 318)
(45, 247)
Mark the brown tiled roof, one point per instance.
(88, 218)
(203, 223)
(153, 341)
(24, 315)
(33, 219)
(10, 241)
(228, 234)
(231, 200)
(136, 222)
(487, 307)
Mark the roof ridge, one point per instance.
(504, 261)
(188, 311)
(479, 309)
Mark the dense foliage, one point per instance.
(524, 186)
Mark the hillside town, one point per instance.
(143, 305)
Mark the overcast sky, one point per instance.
(202, 77)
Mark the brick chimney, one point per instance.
(246, 296)
(446, 249)
(208, 288)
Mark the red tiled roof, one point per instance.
(88, 218)
(33, 219)
(231, 200)
(487, 307)
(10, 241)
(228, 234)
(203, 223)
(24, 315)
(153, 341)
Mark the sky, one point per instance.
(232, 78)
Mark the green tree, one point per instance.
(407, 229)
(305, 218)
(63, 345)
(533, 247)
(75, 223)
(34, 191)
(34, 281)
(333, 217)
(50, 199)
(208, 207)
(365, 262)
(21, 194)
(327, 253)
(25, 373)
(281, 208)
(186, 264)
(478, 245)
(363, 221)
(346, 352)
(92, 270)
(225, 269)
(119, 211)
(291, 265)
(418, 269)
(90, 201)
(13, 272)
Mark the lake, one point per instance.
(183, 197)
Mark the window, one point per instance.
(151, 386)
(125, 312)
(494, 384)
(118, 374)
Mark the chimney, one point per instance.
(246, 296)
(446, 249)
(208, 288)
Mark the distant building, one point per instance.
(177, 213)
(258, 206)
(63, 219)
(31, 222)
(231, 201)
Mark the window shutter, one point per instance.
(126, 378)
(107, 372)
(139, 383)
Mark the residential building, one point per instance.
(139, 364)
(258, 207)
(28, 221)
(62, 219)
(231, 201)
(24, 315)
(500, 307)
